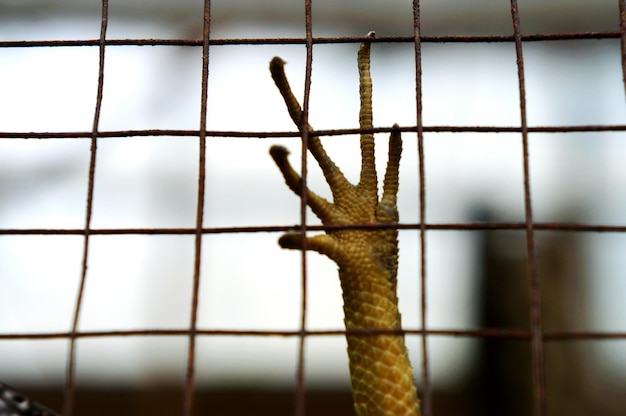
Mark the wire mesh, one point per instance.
(536, 334)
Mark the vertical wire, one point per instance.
(300, 409)
(191, 352)
(622, 28)
(426, 404)
(68, 399)
(536, 329)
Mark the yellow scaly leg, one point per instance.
(380, 371)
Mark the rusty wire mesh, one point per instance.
(535, 333)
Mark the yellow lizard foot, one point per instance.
(381, 374)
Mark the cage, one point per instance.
(139, 208)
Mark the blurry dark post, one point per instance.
(576, 385)
(503, 380)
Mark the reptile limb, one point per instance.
(380, 371)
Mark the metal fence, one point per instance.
(535, 334)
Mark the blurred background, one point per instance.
(476, 279)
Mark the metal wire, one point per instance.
(539, 380)
(500, 333)
(316, 40)
(191, 351)
(68, 402)
(427, 391)
(300, 405)
(535, 334)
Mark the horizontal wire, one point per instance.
(318, 40)
(504, 333)
(471, 226)
(320, 133)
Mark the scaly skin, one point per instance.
(380, 371)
